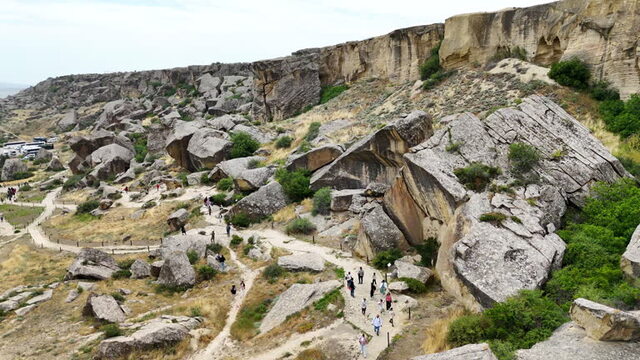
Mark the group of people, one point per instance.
(234, 290)
(11, 192)
(385, 304)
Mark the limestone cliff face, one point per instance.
(603, 33)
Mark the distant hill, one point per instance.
(7, 89)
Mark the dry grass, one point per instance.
(20, 216)
(112, 227)
(75, 197)
(285, 214)
(436, 333)
(311, 354)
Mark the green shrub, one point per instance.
(22, 175)
(518, 323)
(225, 184)
(431, 65)
(126, 264)
(215, 248)
(247, 248)
(111, 330)
(236, 240)
(428, 252)
(631, 166)
(313, 132)
(622, 118)
(272, 272)
(493, 217)
(602, 91)
(294, 183)
(329, 92)
(476, 176)
(25, 187)
(284, 142)
(219, 199)
(242, 145)
(193, 256)
(331, 297)
(250, 316)
(523, 158)
(322, 201)
(240, 219)
(118, 297)
(572, 73)
(206, 272)
(196, 311)
(255, 163)
(149, 204)
(121, 274)
(205, 180)
(237, 197)
(87, 206)
(304, 147)
(415, 286)
(300, 226)
(386, 257)
(139, 145)
(72, 181)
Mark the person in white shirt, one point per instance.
(377, 324)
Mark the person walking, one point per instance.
(183, 230)
(228, 230)
(221, 259)
(381, 306)
(362, 340)
(383, 287)
(363, 306)
(374, 279)
(392, 314)
(360, 276)
(388, 300)
(213, 236)
(348, 277)
(377, 324)
(352, 287)
(242, 285)
(373, 289)
(233, 290)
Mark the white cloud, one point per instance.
(41, 38)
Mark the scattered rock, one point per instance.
(302, 262)
(253, 179)
(185, 243)
(140, 269)
(46, 295)
(398, 286)
(378, 233)
(55, 164)
(177, 271)
(341, 199)
(92, 264)
(408, 270)
(25, 310)
(376, 189)
(105, 204)
(73, 294)
(103, 307)
(605, 323)
(155, 268)
(233, 168)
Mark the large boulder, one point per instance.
(294, 299)
(302, 262)
(377, 157)
(178, 139)
(68, 122)
(605, 323)
(164, 331)
(177, 219)
(257, 134)
(341, 199)
(467, 352)
(570, 342)
(185, 243)
(109, 161)
(233, 168)
(404, 269)
(207, 148)
(140, 269)
(55, 164)
(378, 233)
(253, 179)
(314, 159)
(103, 308)
(630, 261)
(11, 167)
(177, 271)
(43, 155)
(262, 203)
(488, 261)
(285, 86)
(92, 264)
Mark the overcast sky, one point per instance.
(46, 38)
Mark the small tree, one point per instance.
(284, 142)
(322, 201)
(573, 73)
(243, 145)
(294, 183)
(523, 157)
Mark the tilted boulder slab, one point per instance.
(104, 308)
(233, 168)
(341, 199)
(405, 269)
(257, 134)
(302, 262)
(55, 164)
(314, 159)
(92, 264)
(262, 203)
(378, 233)
(630, 261)
(570, 342)
(294, 299)
(185, 243)
(467, 352)
(605, 323)
(207, 148)
(176, 270)
(253, 179)
(483, 262)
(68, 121)
(178, 218)
(377, 157)
(178, 139)
(110, 160)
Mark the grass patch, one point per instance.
(331, 297)
(300, 226)
(476, 176)
(20, 216)
(330, 92)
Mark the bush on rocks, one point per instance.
(111, 330)
(87, 206)
(225, 184)
(300, 226)
(415, 286)
(284, 142)
(243, 145)
(523, 158)
(386, 257)
(272, 272)
(476, 176)
(572, 73)
(240, 219)
(294, 183)
(192, 255)
(206, 272)
(322, 201)
(236, 240)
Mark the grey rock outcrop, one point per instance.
(92, 264)
(177, 141)
(467, 352)
(104, 308)
(302, 262)
(43, 155)
(140, 269)
(68, 122)
(178, 219)
(207, 148)
(605, 323)
(253, 179)
(176, 270)
(378, 233)
(341, 199)
(110, 160)
(262, 203)
(46, 295)
(294, 299)
(55, 164)
(405, 269)
(630, 261)
(11, 167)
(185, 243)
(570, 342)
(233, 168)
(377, 157)
(314, 159)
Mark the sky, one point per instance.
(47, 38)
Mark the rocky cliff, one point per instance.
(602, 33)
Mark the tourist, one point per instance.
(383, 287)
(362, 340)
(374, 279)
(158, 187)
(348, 277)
(391, 315)
(363, 306)
(228, 230)
(381, 305)
(221, 259)
(183, 230)
(388, 300)
(377, 323)
(352, 287)
(242, 285)
(360, 276)
(373, 289)
(213, 236)
(233, 289)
